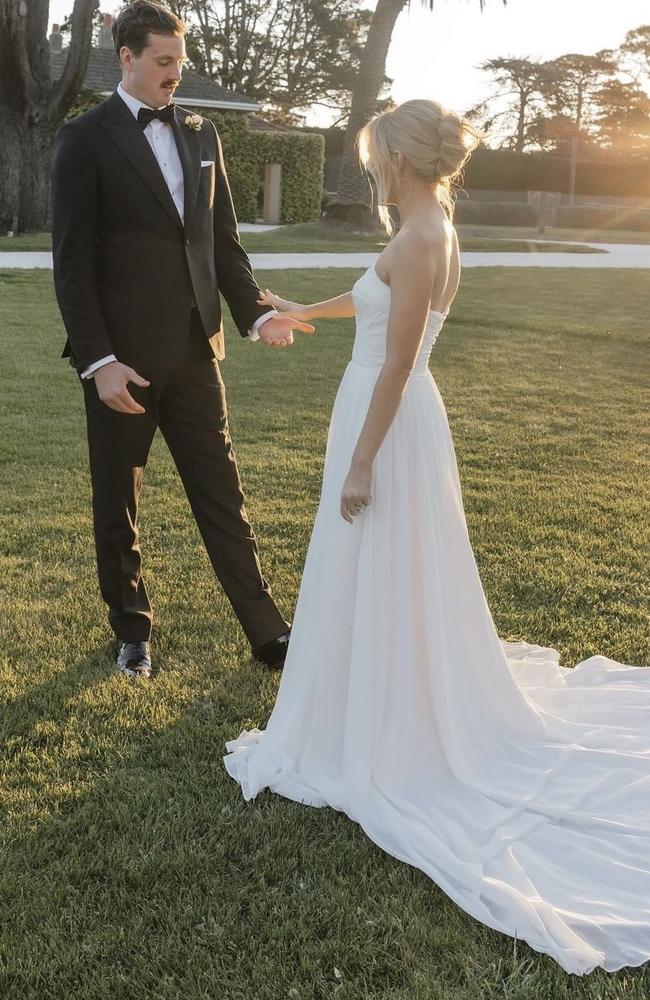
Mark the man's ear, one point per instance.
(125, 54)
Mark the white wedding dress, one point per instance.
(521, 787)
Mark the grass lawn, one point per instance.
(323, 237)
(555, 234)
(131, 866)
(314, 236)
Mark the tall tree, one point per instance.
(32, 106)
(623, 117)
(575, 97)
(352, 196)
(515, 102)
(287, 54)
(573, 80)
(635, 53)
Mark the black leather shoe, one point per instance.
(134, 659)
(273, 653)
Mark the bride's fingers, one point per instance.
(305, 327)
(352, 507)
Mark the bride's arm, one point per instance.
(411, 278)
(338, 307)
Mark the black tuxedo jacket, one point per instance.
(125, 265)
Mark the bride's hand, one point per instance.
(291, 310)
(355, 495)
(268, 298)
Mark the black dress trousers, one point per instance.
(187, 402)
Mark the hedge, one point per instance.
(603, 217)
(495, 213)
(246, 151)
(506, 170)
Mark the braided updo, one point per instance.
(435, 141)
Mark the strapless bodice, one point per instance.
(371, 297)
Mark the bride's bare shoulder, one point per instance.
(409, 244)
(416, 246)
(412, 262)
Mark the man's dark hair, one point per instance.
(133, 24)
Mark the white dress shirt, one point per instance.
(160, 137)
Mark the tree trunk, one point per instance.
(25, 156)
(352, 201)
(35, 179)
(10, 161)
(520, 141)
(32, 107)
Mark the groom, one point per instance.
(144, 240)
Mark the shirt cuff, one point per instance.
(252, 333)
(87, 372)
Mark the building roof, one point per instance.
(260, 125)
(104, 74)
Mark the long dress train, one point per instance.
(520, 786)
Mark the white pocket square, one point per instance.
(207, 163)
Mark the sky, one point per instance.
(436, 55)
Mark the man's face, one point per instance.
(153, 76)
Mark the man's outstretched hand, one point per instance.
(278, 330)
(112, 380)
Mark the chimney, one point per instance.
(106, 32)
(56, 39)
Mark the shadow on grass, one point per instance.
(50, 699)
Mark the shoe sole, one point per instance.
(145, 674)
(273, 664)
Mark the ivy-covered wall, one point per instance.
(246, 151)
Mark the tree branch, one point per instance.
(65, 90)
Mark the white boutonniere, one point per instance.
(194, 121)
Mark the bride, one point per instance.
(520, 786)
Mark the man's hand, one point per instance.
(277, 331)
(112, 380)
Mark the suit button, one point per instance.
(187, 242)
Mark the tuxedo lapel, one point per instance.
(127, 134)
(189, 151)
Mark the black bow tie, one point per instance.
(146, 115)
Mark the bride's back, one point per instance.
(444, 242)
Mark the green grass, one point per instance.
(468, 243)
(26, 241)
(323, 237)
(131, 866)
(556, 234)
(314, 236)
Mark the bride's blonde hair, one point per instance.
(435, 141)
